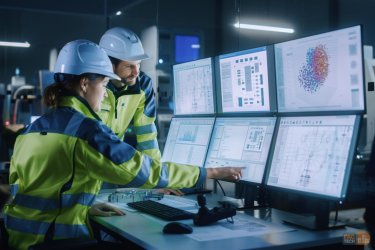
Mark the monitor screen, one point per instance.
(188, 140)
(193, 88)
(321, 73)
(187, 48)
(241, 142)
(313, 154)
(245, 81)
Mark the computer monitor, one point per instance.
(188, 140)
(187, 48)
(194, 88)
(241, 142)
(321, 73)
(246, 81)
(313, 155)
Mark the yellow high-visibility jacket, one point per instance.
(58, 166)
(133, 106)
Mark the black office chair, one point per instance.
(67, 244)
(3, 236)
(63, 244)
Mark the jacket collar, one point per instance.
(78, 103)
(126, 90)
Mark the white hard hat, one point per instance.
(83, 56)
(123, 44)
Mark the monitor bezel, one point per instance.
(213, 90)
(349, 163)
(328, 111)
(271, 83)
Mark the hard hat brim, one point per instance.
(133, 58)
(112, 76)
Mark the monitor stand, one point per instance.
(318, 219)
(253, 195)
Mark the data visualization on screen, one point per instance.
(321, 73)
(314, 154)
(241, 142)
(193, 88)
(188, 140)
(244, 81)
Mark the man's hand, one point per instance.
(103, 209)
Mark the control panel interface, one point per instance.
(188, 140)
(193, 88)
(244, 81)
(313, 154)
(321, 73)
(241, 142)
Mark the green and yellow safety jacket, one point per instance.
(133, 105)
(58, 166)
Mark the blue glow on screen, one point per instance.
(186, 48)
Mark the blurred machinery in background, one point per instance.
(368, 129)
(20, 104)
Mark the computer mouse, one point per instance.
(177, 228)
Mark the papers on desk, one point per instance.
(243, 226)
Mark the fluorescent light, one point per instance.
(15, 44)
(262, 27)
(118, 13)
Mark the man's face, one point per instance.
(128, 71)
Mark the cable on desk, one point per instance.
(336, 211)
(230, 220)
(221, 187)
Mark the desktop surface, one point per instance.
(146, 231)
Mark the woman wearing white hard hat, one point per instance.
(61, 159)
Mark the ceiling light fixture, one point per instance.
(15, 44)
(262, 27)
(118, 13)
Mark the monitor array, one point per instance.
(289, 112)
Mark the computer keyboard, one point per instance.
(160, 210)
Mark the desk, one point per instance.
(146, 232)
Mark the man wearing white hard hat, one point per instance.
(130, 102)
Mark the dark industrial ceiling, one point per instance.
(86, 7)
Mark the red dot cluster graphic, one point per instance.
(314, 72)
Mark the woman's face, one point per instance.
(94, 92)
